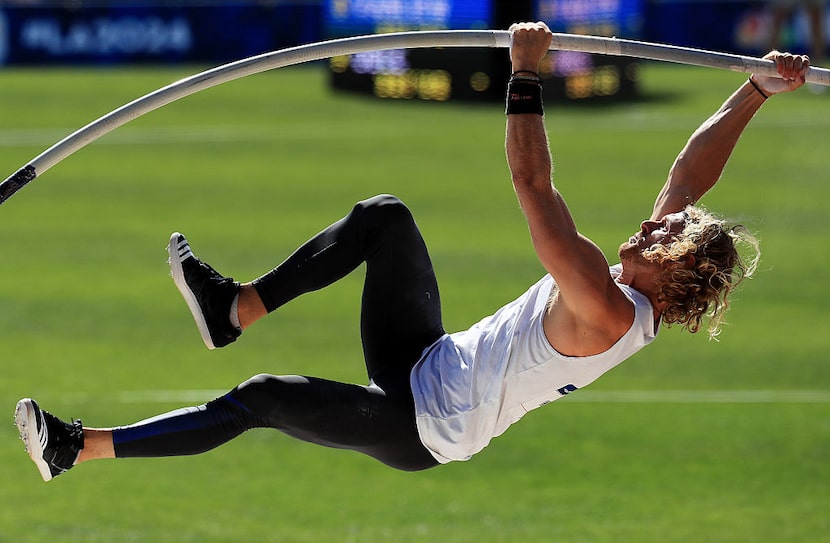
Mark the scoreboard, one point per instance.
(427, 74)
(574, 75)
(479, 74)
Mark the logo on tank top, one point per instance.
(566, 389)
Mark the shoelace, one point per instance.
(66, 441)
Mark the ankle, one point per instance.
(98, 444)
(249, 306)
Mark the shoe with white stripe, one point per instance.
(208, 293)
(52, 444)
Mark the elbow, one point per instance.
(532, 180)
(535, 192)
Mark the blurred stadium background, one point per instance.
(96, 32)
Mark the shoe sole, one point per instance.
(25, 417)
(176, 271)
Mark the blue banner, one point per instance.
(349, 18)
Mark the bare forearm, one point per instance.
(526, 141)
(710, 147)
(552, 229)
(700, 164)
(528, 154)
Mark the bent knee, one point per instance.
(385, 213)
(381, 200)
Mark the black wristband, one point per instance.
(526, 74)
(524, 96)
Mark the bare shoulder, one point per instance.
(576, 332)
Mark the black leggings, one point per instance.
(400, 317)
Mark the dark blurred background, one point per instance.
(37, 32)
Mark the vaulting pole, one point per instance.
(374, 42)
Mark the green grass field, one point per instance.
(690, 440)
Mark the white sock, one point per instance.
(234, 316)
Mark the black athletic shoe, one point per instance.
(52, 444)
(208, 294)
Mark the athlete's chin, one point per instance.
(630, 252)
(627, 248)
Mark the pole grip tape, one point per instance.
(16, 182)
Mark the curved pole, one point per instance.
(374, 42)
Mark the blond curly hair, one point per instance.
(701, 268)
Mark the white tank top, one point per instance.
(469, 387)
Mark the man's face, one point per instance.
(662, 232)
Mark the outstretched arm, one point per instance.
(590, 311)
(701, 162)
